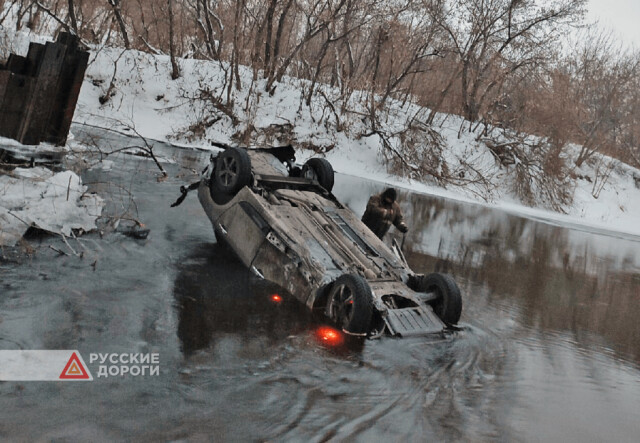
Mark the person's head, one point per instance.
(389, 196)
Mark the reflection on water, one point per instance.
(554, 278)
(217, 295)
(549, 350)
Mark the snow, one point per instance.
(145, 100)
(53, 202)
(159, 108)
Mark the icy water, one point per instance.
(549, 351)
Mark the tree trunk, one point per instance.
(72, 17)
(323, 52)
(276, 44)
(268, 20)
(175, 69)
(443, 94)
(117, 13)
(236, 51)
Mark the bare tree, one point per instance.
(72, 16)
(316, 17)
(175, 69)
(493, 39)
(602, 74)
(116, 6)
(210, 25)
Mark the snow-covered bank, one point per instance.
(192, 110)
(146, 98)
(54, 202)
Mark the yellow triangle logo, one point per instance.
(74, 369)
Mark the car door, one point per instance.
(245, 230)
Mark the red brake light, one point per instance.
(329, 336)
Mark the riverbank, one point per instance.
(132, 92)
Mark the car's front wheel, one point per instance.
(350, 304)
(232, 173)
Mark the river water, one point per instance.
(549, 348)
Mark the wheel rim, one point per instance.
(228, 171)
(310, 173)
(438, 304)
(341, 307)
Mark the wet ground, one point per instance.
(549, 351)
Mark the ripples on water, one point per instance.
(549, 348)
(269, 356)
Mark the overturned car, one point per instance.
(285, 225)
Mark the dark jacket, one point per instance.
(379, 216)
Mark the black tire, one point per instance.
(232, 173)
(350, 304)
(321, 170)
(448, 303)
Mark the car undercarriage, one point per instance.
(285, 225)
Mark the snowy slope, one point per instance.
(144, 99)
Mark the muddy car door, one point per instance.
(244, 229)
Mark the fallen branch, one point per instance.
(59, 251)
(388, 146)
(147, 148)
(112, 84)
(28, 224)
(64, 238)
(69, 187)
(333, 109)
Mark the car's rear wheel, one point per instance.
(350, 304)
(232, 173)
(321, 170)
(448, 302)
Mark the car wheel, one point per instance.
(350, 304)
(321, 170)
(232, 173)
(448, 302)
